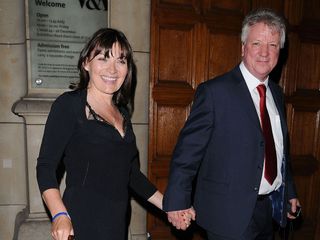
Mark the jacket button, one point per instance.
(256, 188)
(261, 143)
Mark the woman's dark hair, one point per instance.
(102, 41)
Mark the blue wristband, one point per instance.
(59, 214)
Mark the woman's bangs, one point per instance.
(106, 49)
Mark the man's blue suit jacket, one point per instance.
(221, 146)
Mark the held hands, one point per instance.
(62, 228)
(181, 219)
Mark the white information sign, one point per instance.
(58, 30)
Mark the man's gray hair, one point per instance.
(268, 17)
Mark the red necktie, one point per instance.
(270, 172)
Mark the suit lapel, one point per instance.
(278, 197)
(278, 102)
(244, 97)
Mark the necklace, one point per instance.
(99, 118)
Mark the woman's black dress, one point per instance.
(100, 164)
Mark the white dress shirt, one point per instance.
(252, 83)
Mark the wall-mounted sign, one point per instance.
(58, 29)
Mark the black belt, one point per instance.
(262, 197)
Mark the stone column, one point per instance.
(13, 75)
(36, 225)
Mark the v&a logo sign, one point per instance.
(94, 4)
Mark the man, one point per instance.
(235, 145)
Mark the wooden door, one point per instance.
(301, 82)
(195, 40)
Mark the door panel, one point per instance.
(218, 47)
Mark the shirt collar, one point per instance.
(251, 81)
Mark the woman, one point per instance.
(90, 130)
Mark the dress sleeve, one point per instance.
(139, 183)
(58, 131)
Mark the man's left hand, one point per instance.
(294, 203)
